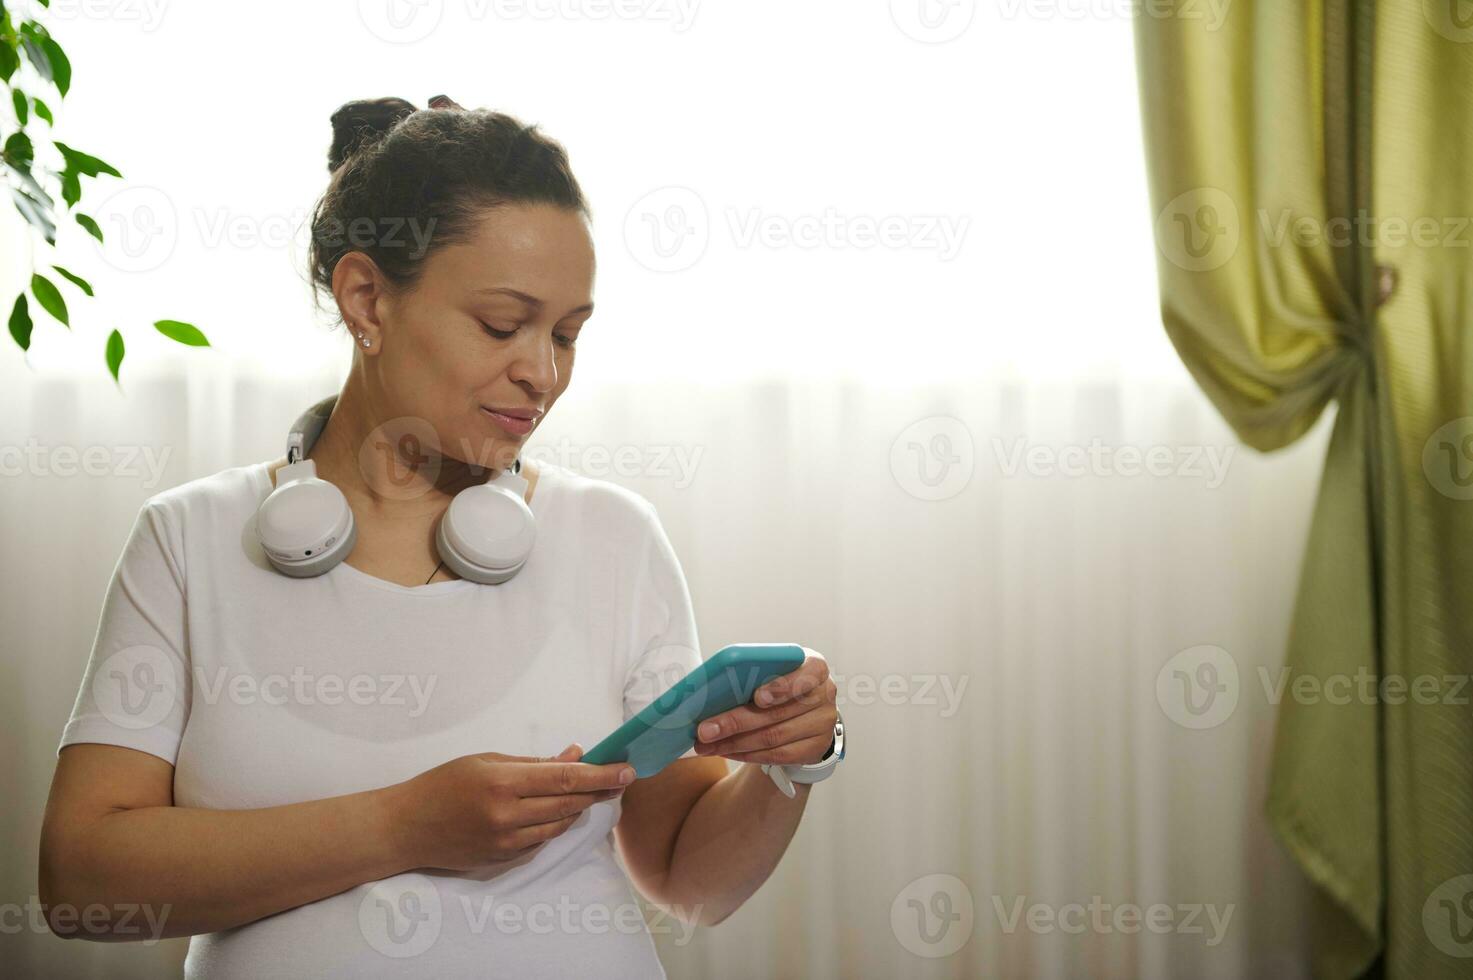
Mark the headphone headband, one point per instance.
(307, 428)
(309, 425)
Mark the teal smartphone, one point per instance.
(666, 729)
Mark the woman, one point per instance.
(346, 775)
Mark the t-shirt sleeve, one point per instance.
(135, 690)
(666, 646)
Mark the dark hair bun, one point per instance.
(362, 123)
(439, 170)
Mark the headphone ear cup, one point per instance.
(486, 534)
(305, 525)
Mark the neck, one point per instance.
(373, 457)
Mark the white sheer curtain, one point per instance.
(1000, 648)
(1020, 305)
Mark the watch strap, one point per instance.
(785, 776)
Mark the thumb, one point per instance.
(572, 753)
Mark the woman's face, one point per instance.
(490, 325)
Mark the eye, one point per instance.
(562, 339)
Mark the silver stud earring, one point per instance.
(363, 338)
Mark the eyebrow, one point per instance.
(531, 301)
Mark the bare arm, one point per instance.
(699, 840)
(113, 840)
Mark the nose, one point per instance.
(535, 363)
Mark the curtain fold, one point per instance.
(1309, 170)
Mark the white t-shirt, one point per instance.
(263, 690)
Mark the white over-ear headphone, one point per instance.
(306, 526)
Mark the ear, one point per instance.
(357, 285)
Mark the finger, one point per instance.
(503, 757)
(560, 778)
(572, 753)
(807, 725)
(804, 752)
(538, 833)
(805, 680)
(746, 718)
(541, 809)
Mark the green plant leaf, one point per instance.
(43, 111)
(19, 152)
(84, 162)
(114, 353)
(71, 188)
(78, 281)
(9, 61)
(34, 52)
(85, 220)
(49, 297)
(34, 212)
(20, 323)
(184, 333)
(34, 189)
(22, 106)
(61, 67)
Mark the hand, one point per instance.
(789, 722)
(484, 808)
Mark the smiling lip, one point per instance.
(516, 425)
(531, 414)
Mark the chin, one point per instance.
(488, 446)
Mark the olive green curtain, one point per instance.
(1311, 173)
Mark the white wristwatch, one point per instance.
(815, 772)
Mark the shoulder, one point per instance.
(599, 503)
(221, 494)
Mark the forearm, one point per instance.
(167, 871)
(730, 842)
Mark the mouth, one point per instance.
(515, 421)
